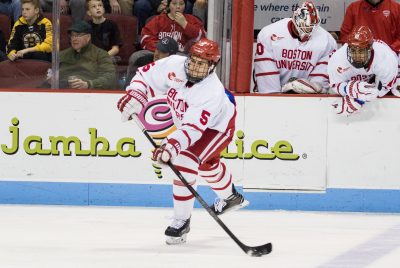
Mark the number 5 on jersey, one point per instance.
(204, 117)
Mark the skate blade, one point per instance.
(171, 240)
(245, 203)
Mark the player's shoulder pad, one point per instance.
(338, 59)
(211, 87)
(170, 62)
(322, 34)
(340, 52)
(274, 28)
(178, 57)
(380, 45)
(383, 53)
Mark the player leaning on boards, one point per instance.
(361, 70)
(292, 54)
(204, 114)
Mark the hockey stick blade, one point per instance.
(257, 251)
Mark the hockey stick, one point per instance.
(256, 251)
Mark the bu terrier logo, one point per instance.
(342, 70)
(172, 77)
(274, 37)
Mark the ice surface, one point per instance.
(113, 237)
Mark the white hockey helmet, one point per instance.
(306, 19)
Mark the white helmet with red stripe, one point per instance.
(306, 20)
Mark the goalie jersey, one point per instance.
(382, 68)
(194, 107)
(280, 56)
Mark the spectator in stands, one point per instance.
(2, 46)
(184, 28)
(11, 8)
(361, 70)
(31, 36)
(141, 61)
(381, 16)
(84, 65)
(200, 8)
(105, 33)
(124, 7)
(145, 9)
(165, 47)
(292, 54)
(76, 8)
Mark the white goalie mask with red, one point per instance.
(306, 20)
(204, 55)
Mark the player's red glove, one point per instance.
(131, 103)
(167, 151)
(361, 90)
(347, 106)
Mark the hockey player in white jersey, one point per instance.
(361, 70)
(204, 114)
(292, 54)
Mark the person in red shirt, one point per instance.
(381, 16)
(184, 28)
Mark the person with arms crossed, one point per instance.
(361, 70)
(292, 54)
(204, 114)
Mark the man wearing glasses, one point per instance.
(83, 65)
